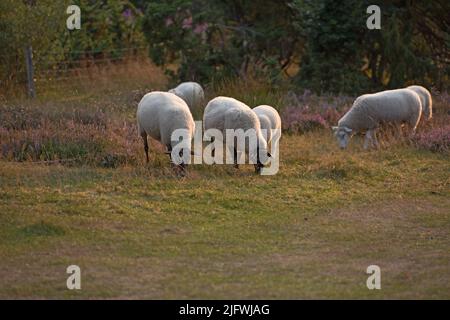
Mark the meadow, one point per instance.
(75, 189)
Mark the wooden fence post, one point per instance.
(30, 72)
(29, 60)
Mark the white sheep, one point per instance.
(159, 114)
(369, 110)
(224, 113)
(191, 92)
(270, 120)
(425, 98)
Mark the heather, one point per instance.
(104, 133)
(435, 139)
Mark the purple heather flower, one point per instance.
(187, 23)
(200, 28)
(169, 22)
(127, 14)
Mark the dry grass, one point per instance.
(139, 231)
(132, 75)
(308, 232)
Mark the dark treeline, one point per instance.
(322, 45)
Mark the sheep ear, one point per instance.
(334, 128)
(348, 130)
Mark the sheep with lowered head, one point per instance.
(369, 110)
(270, 120)
(159, 114)
(191, 92)
(224, 113)
(425, 98)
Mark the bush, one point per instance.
(295, 120)
(307, 111)
(436, 140)
(210, 40)
(49, 142)
(108, 28)
(71, 136)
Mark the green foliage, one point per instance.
(334, 55)
(106, 28)
(411, 47)
(342, 55)
(212, 40)
(21, 25)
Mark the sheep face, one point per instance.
(263, 157)
(343, 135)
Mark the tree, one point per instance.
(334, 53)
(212, 39)
(343, 55)
(412, 46)
(22, 24)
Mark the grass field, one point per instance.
(139, 231)
(308, 232)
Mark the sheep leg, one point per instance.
(169, 152)
(413, 124)
(144, 137)
(399, 131)
(182, 166)
(235, 157)
(213, 150)
(367, 139)
(376, 144)
(412, 133)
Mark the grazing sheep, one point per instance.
(159, 114)
(223, 113)
(191, 92)
(369, 110)
(425, 98)
(269, 119)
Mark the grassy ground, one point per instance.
(308, 232)
(138, 231)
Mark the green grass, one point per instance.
(308, 232)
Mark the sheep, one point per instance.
(158, 115)
(369, 110)
(270, 120)
(191, 92)
(425, 98)
(224, 113)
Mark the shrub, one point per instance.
(70, 136)
(215, 40)
(295, 120)
(436, 139)
(331, 108)
(52, 142)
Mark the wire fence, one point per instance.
(51, 70)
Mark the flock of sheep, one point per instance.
(159, 114)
